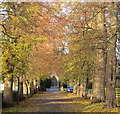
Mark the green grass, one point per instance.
(99, 107)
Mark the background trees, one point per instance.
(22, 29)
(92, 37)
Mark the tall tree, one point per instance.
(111, 56)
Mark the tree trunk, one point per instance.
(28, 88)
(7, 97)
(39, 84)
(78, 87)
(24, 88)
(35, 86)
(75, 87)
(31, 88)
(118, 46)
(18, 90)
(21, 97)
(14, 85)
(87, 81)
(99, 80)
(61, 86)
(82, 88)
(99, 76)
(111, 61)
(110, 81)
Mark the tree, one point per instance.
(22, 29)
(111, 57)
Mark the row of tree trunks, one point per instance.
(105, 69)
(28, 88)
(25, 89)
(80, 88)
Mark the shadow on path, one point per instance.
(47, 102)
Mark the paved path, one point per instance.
(55, 101)
(53, 89)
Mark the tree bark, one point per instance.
(99, 80)
(7, 96)
(78, 87)
(75, 87)
(39, 84)
(21, 97)
(31, 88)
(35, 86)
(18, 90)
(99, 76)
(28, 87)
(110, 82)
(24, 87)
(111, 61)
(61, 86)
(82, 88)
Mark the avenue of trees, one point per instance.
(92, 43)
(78, 41)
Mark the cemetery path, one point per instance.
(56, 101)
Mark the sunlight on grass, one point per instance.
(88, 107)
